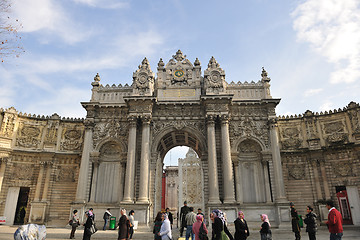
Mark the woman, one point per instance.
(197, 225)
(310, 221)
(157, 226)
(87, 226)
(241, 227)
(75, 224)
(219, 228)
(265, 231)
(131, 218)
(165, 230)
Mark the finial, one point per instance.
(161, 64)
(96, 80)
(197, 62)
(179, 56)
(213, 63)
(264, 75)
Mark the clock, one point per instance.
(179, 73)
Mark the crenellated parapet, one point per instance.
(318, 130)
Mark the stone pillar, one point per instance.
(39, 182)
(84, 165)
(239, 191)
(145, 157)
(47, 181)
(130, 165)
(121, 180)
(278, 175)
(212, 171)
(265, 161)
(316, 180)
(325, 180)
(2, 170)
(94, 180)
(228, 179)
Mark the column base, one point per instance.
(214, 201)
(37, 212)
(127, 201)
(143, 201)
(229, 201)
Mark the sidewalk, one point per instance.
(144, 233)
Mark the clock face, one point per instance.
(179, 73)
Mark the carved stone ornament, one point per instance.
(335, 132)
(143, 79)
(65, 174)
(354, 118)
(249, 146)
(161, 125)
(71, 139)
(297, 171)
(179, 70)
(249, 128)
(23, 171)
(51, 134)
(214, 77)
(28, 136)
(8, 124)
(342, 169)
(290, 137)
(111, 129)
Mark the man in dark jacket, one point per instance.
(334, 222)
(295, 221)
(170, 216)
(310, 221)
(183, 211)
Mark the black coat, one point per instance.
(217, 227)
(240, 228)
(310, 222)
(87, 225)
(265, 228)
(295, 220)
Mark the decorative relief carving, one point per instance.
(354, 119)
(214, 77)
(113, 128)
(65, 174)
(51, 133)
(290, 137)
(249, 146)
(248, 128)
(8, 125)
(72, 138)
(335, 132)
(143, 79)
(29, 136)
(23, 171)
(296, 172)
(343, 168)
(180, 124)
(178, 110)
(179, 70)
(239, 111)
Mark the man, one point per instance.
(92, 214)
(106, 217)
(183, 211)
(334, 222)
(295, 221)
(124, 226)
(190, 220)
(170, 216)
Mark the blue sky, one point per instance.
(310, 48)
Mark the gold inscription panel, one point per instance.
(179, 93)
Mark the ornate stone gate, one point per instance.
(231, 126)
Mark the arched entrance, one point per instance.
(195, 162)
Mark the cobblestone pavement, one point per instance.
(7, 233)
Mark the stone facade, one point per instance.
(251, 159)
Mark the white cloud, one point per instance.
(312, 92)
(326, 106)
(107, 4)
(49, 18)
(332, 28)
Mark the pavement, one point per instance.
(142, 233)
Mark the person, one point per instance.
(219, 227)
(295, 221)
(157, 226)
(183, 211)
(190, 220)
(196, 226)
(106, 217)
(334, 222)
(200, 212)
(131, 219)
(75, 223)
(89, 222)
(241, 227)
(165, 230)
(92, 214)
(310, 221)
(124, 226)
(171, 219)
(265, 231)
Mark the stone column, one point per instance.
(316, 179)
(130, 165)
(47, 181)
(145, 157)
(39, 182)
(121, 180)
(228, 179)
(278, 175)
(84, 165)
(94, 180)
(238, 186)
(325, 180)
(3, 162)
(212, 171)
(265, 161)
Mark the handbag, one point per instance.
(92, 228)
(223, 236)
(70, 222)
(202, 233)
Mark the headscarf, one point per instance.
(240, 212)
(199, 218)
(266, 219)
(219, 214)
(166, 217)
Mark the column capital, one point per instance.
(89, 123)
(225, 118)
(273, 123)
(132, 120)
(146, 119)
(4, 160)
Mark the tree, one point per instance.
(9, 36)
